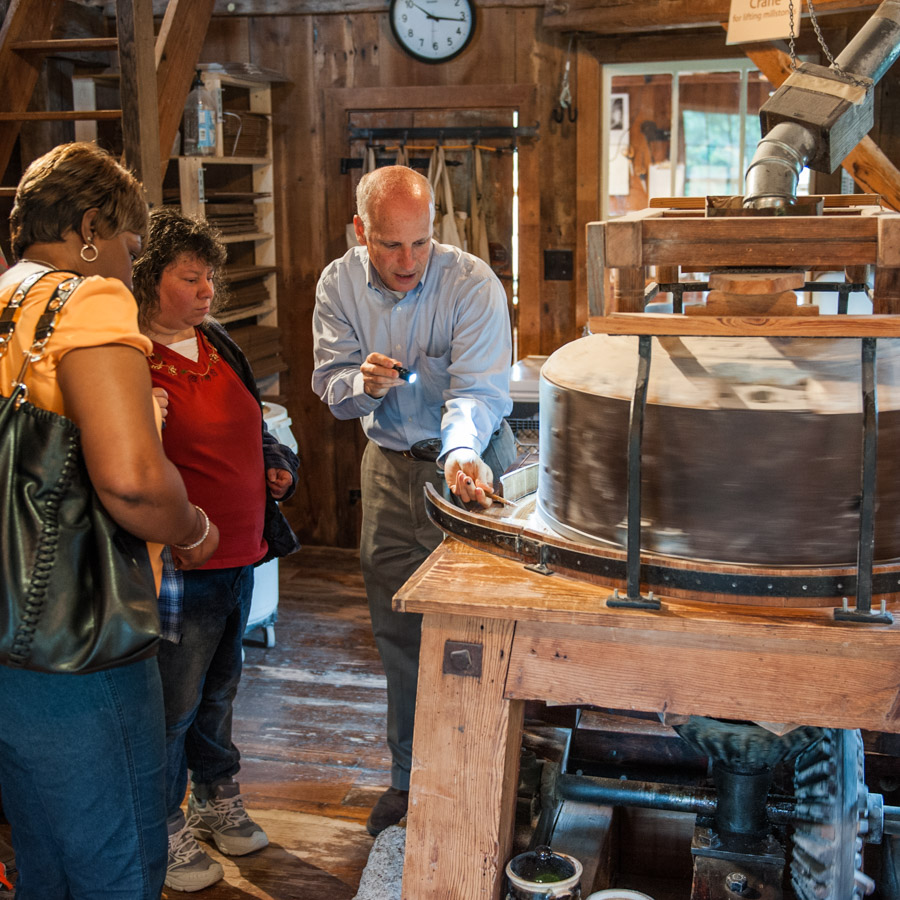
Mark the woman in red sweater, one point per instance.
(236, 471)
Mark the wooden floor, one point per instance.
(309, 722)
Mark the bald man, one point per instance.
(402, 299)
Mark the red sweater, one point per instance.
(212, 434)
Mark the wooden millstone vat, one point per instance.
(751, 449)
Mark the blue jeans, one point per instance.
(200, 678)
(82, 774)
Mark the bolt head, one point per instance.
(736, 882)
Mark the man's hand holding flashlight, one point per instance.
(381, 373)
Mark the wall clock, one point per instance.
(433, 31)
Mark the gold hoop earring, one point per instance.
(89, 245)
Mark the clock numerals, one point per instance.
(433, 30)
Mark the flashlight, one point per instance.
(406, 375)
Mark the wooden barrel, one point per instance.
(751, 447)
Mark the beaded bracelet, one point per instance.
(204, 536)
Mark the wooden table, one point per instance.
(514, 635)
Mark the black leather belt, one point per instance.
(423, 451)
(430, 449)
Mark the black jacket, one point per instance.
(277, 532)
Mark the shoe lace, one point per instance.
(183, 846)
(230, 811)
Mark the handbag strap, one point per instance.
(44, 328)
(9, 315)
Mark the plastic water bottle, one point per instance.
(199, 121)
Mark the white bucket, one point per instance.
(279, 424)
(618, 894)
(263, 608)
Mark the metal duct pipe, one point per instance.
(773, 174)
(876, 46)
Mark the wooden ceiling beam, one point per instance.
(291, 7)
(870, 168)
(703, 44)
(633, 16)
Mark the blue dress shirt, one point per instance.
(452, 330)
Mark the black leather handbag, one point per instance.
(78, 590)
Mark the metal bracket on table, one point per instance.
(677, 289)
(866, 552)
(633, 597)
(462, 659)
(541, 566)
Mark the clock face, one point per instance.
(433, 30)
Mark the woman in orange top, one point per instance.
(82, 756)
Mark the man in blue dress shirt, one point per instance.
(402, 299)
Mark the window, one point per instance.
(679, 129)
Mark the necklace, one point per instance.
(38, 262)
(157, 363)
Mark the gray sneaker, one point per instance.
(217, 814)
(189, 868)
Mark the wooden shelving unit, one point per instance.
(234, 190)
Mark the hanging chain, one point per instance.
(793, 49)
(822, 44)
(565, 93)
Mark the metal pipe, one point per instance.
(876, 46)
(866, 551)
(773, 174)
(892, 820)
(635, 441)
(647, 795)
(698, 801)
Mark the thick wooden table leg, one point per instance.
(465, 764)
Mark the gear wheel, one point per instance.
(831, 819)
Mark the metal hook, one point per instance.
(565, 95)
(560, 113)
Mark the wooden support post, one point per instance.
(628, 289)
(624, 254)
(886, 290)
(587, 193)
(597, 285)
(140, 118)
(887, 266)
(465, 766)
(666, 274)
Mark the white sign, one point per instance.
(762, 20)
